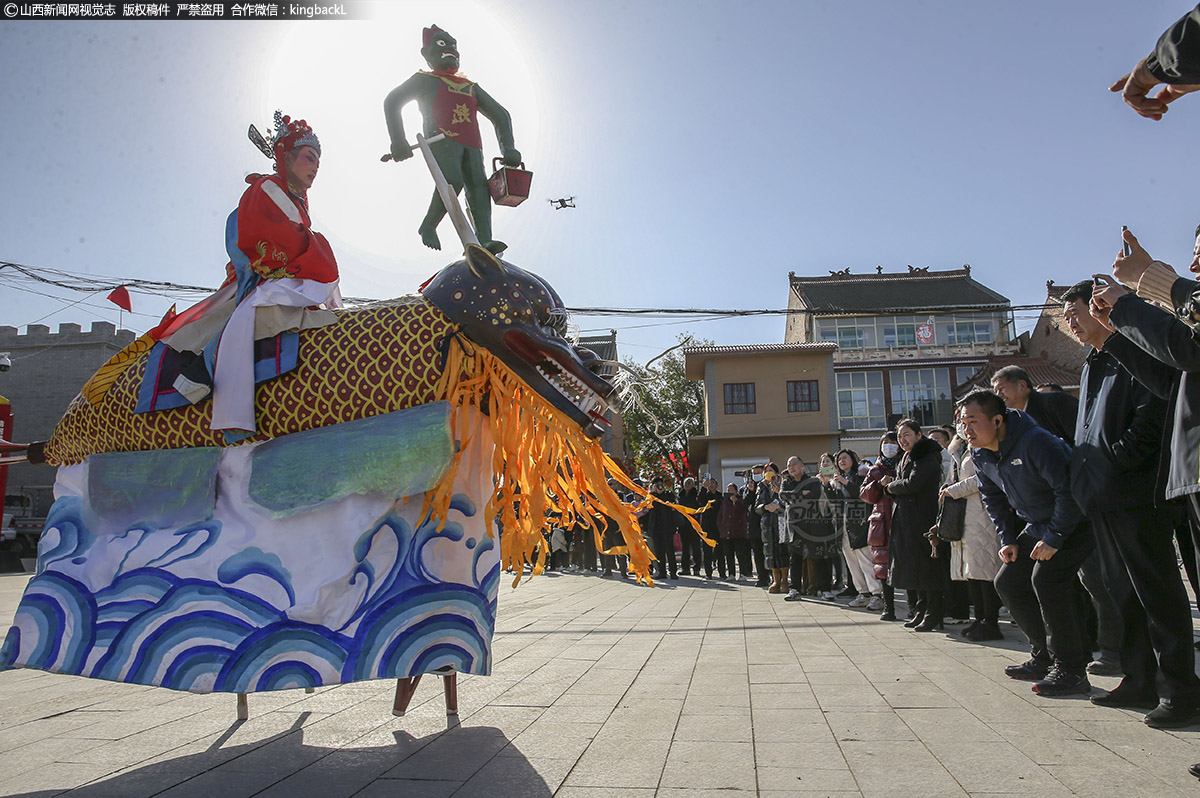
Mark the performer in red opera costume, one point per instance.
(279, 275)
(274, 228)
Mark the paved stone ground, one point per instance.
(604, 688)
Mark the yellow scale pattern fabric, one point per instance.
(371, 361)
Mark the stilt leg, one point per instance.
(404, 692)
(310, 689)
(243, 707)
(450, 683)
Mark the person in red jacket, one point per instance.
(731, 523)
(280, 274)
(879, 530)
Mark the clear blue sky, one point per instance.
(712, 146)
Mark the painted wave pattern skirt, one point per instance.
(258, 568)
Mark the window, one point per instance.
(848, 333)
(849, 338)
(739, 398)
(922, 394)
(964, 373)
(860, 400)
(802, 396)
(900, 335)
(971, 332)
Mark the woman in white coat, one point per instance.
(976, 557)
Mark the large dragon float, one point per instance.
(355, 535)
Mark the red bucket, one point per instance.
(509, 185)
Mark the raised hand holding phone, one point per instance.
(1133, 261)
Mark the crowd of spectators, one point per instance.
(1068, 511)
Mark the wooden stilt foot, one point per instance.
(310, 690)
(404, 692)
(450, 683)
(243, 707)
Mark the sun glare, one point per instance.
(336, 75)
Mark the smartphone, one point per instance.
(828, 471)
(1128, 250)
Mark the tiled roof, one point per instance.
(749, 349)
(1039, 371)
(605, 347)
(915, 290)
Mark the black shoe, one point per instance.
(915, 621)
(1173, 716)
(888, 616)
(1194, 770)
(984, 632)
(1060, 682)
(763, 583)
(970, 629)
(849, 592)
(930, 624)
(1031, 670)
(1127, 697)
(674, 577)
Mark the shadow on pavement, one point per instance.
(463, 761)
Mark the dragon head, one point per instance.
(520, 319)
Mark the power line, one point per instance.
(95, 284)
(734, 312)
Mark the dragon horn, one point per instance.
(479, 260)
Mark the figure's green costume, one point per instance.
(451, 104)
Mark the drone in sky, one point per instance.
(564, 202)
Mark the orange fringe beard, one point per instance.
(542, 465)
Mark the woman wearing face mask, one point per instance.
(879, 525)
(914, 565)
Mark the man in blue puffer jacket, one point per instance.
(1024, 481)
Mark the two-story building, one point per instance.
(762, 402)
(904, 341)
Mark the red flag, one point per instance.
(120, 298)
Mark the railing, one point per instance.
(883, 353)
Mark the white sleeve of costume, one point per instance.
(282, 200)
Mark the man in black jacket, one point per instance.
(690, 557)
(1175, 62)
(710, 497)
(1057, 412)
(750, 495)
(1118, 436)
(660, 522)
(1023, 475)
(1054, 411)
